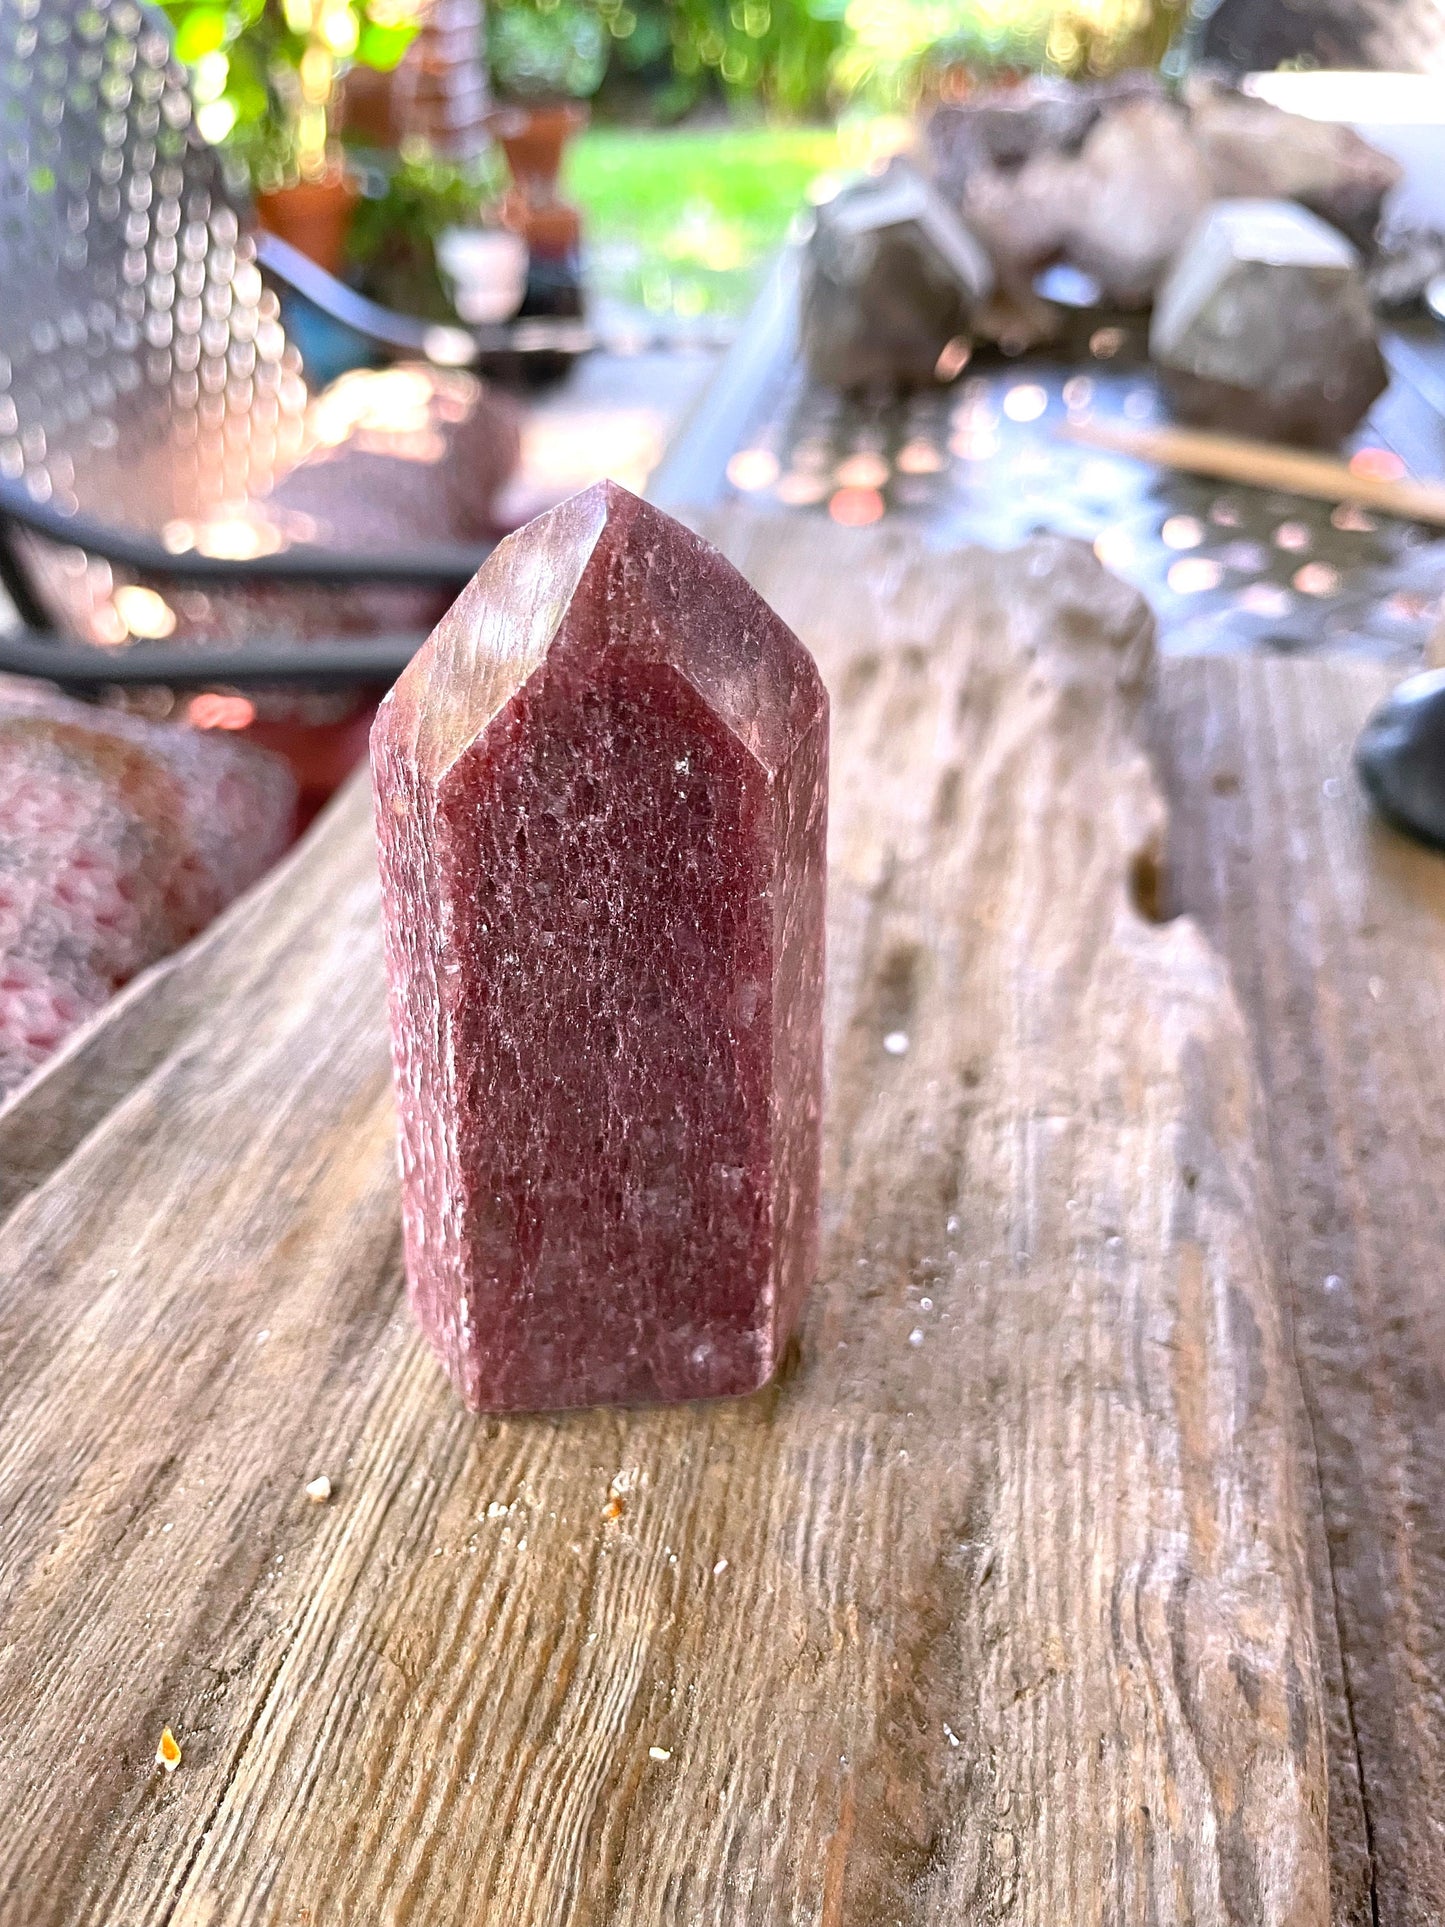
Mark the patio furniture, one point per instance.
(151, 406)
(1087, 1562)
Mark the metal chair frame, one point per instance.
(508, 349)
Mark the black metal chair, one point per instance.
(149, 394)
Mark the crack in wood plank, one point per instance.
(1334, 929)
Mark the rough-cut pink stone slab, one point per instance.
(601, 800)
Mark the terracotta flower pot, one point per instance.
(550, 229)
(313, 216)
(532, 136)
(368, 108)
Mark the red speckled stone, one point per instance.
(601, 800)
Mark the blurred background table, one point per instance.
(1225, 567)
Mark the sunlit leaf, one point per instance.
(202, 31)
(383, 47)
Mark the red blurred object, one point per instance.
(551, 231)
(533, 136)
(120, 839)
(215, 711)
(1378, 464)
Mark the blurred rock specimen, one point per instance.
(1405, 263)
(1135, 192)
(1110, 177)
(1252, 148)
(891, 276)
(1264, 326)
(119, 840)
(1005, 127)
(1118, 208)
(601, 800)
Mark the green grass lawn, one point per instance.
(680, 223)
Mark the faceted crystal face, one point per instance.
(601, 808)
(890, 277)
(1264, 326)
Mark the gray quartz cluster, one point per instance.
(1264, 328)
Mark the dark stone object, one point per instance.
(891, 276)
(601, 801)
(1264, 328)
(1254, 149)
(1400, 757)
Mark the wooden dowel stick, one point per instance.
(1231, 458)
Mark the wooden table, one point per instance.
(1085, 1567)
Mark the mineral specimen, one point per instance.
(1406, 262)
(1400, 757)
(890, 278)
(1253, 148)
(1003, 127)
(601, 800)
(1264, 326)
(119, 839)
(1119, 209)
(1139, 189)
(1110, 176)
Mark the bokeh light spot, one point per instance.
(753, 469)
(855, 508)
(1025, 402)
(1192, 574)
(1182, 532)
(215, 711)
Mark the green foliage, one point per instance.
(776, 53)
(266, 74)
(897, 49)
(893, 44)
(391, 245)
(542, 49)
(655, 58)
(779, 52)
(800, 57)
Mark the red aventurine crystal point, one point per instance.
(601, 794)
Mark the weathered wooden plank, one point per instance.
(1334, 928)
(996, 1609)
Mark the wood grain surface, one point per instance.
(997, 1608)
(1334, 928)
